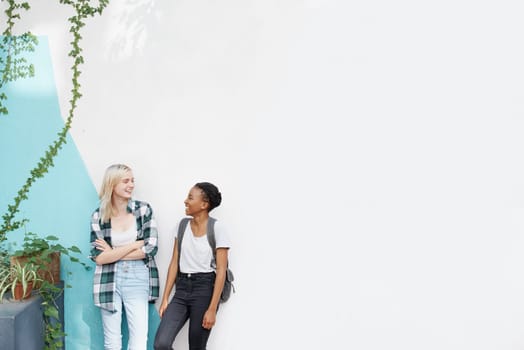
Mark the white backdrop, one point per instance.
(369, 155)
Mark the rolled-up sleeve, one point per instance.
(149, 231)
(96, 232)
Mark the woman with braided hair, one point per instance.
(199, 276)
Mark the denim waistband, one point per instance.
(196, 275)
(130, 263)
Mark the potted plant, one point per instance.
(45, 254)
(19, 279)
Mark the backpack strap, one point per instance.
(229, 274)
(180, 235)
(212, 240)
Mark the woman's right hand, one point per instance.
(162, 308)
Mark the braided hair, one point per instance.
(210, 194)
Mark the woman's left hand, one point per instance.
(209, 319)
(102, 245)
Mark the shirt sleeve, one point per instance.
(175, 231)
(96, 232)
(221, 235)
(150, 232)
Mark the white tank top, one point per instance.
(121, 238)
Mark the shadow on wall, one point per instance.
(131, 27)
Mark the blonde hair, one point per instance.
(112, 177)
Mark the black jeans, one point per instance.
(192, 297)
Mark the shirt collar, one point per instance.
(130, 206)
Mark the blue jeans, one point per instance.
(192, 297)
(132, 290)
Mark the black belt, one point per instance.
(195, 275)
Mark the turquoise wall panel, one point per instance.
(61, 203)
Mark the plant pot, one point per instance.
(19, 291)
(50, 270)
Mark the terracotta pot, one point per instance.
(52, 271)
(19, 290)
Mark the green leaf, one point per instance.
(51, 312)
(75, 249)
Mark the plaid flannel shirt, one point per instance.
(104, 278)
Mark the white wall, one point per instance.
(369, 154)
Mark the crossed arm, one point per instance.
(131, 251)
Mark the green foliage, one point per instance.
(17, 273)
(82, 11)
(39, 249)
(53, 333)
(13, 67)
(5, 274)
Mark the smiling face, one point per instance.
(124, 188)
(195, 202)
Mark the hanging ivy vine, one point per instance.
(17, 67)
(14, 66)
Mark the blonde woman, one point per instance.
(124, 243)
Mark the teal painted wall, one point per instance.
(61, 202)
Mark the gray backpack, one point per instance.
(228, 283)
